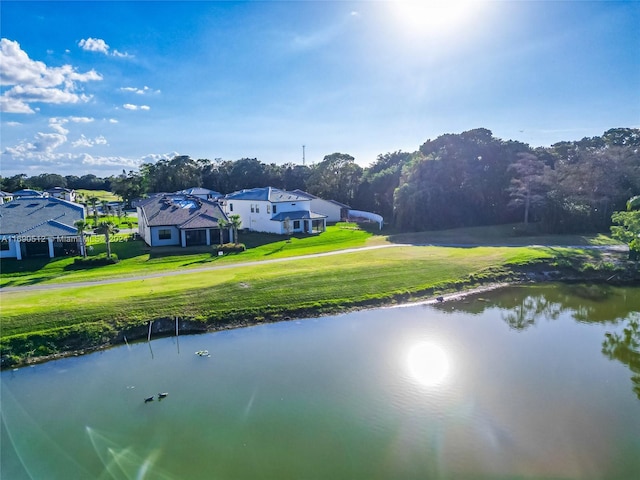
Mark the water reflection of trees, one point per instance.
(523, 307)
(625, 348)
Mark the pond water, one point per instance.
(524, 382)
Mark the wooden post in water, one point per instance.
(149, 335)
(176, 326)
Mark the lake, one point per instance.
(522, 382)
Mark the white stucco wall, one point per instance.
(155, 236)
(260, 221)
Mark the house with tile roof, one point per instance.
(62, 193)
(200, 192)
(39, 226)
(269, 210)
(184, 220)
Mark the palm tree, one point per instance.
(94, 202)
(222, 224)
(107, 229)
(81, 225)
(235, 222)
(105, 207)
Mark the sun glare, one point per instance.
(428, 364)
(426, 17)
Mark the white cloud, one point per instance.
(13, 124)
(110, 161)
(130, 106)
(33, 82)
(154, 157)
(113, 120)
(100, 46)
(87, 142)
(139, 91)
(81, 119)
(94, 45)
(48, 142)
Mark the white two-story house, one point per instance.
(271, 209)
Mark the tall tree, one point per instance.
(627, 226)
(107, 229)
(222, 225)
(529, 185)
(128, 186)
(81, 226)
(335, 178)
(235, 223)
(94, 205)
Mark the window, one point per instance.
(274, 209)
(4, 245)
(257, 208)
(268, 208)
(164, 234)
(296, 224)
(253, 209)
(231, 207)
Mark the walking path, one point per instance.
(172, 273)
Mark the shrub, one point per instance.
(231, 248)
(96, 260)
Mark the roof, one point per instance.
(297, 215)
(58, 189)
(182, 211)
(313, 197)
(200, 191)
(5, 194)
(39, 216)
(27, 192)
(264, 194)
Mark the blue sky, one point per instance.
(98, 87)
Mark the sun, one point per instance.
(428, 364)
(433, 18)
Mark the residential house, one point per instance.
(200, 192)
(270, 209)
(5, 197)
(62, 193)
(334, 211)
(184, 220)
(39, 226)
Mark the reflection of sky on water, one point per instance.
(412, 392)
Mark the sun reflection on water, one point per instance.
(428, 364)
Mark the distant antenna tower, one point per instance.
(303, 147)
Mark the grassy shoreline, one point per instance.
(92, 317)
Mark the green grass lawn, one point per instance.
(349, 279)
(136, 258)
(99, 194)
(41, 322)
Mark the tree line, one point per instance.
(455, 180)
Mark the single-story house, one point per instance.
(335, 211)
(271, 209)
(203, 193)
(62, 193)
(39, 226)
(184, 220)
